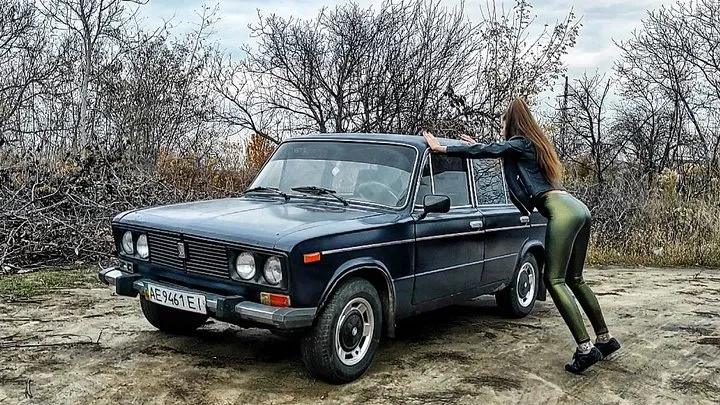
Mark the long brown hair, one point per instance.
(520, 121)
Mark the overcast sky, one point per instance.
(603, 21)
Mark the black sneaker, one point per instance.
(609, 347)
(581, 362)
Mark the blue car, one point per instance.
(338, 238)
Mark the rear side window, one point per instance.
(489, 182)
(446, 176)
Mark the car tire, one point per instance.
(341, 345)
(518, 299)
(171, 320)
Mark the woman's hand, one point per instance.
(468, 139)
(433, 143)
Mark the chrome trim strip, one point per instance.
(369, 246)
(425, 160)
(500, 257)
(282, 317)
(425, 273)
(449, 235)
(399, 242)
(256, 312)
(473, 184)
(501, 205)
(432, 176)
(425, 238)
(454, 267)
(537, 225)
(506, 228)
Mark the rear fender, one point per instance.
(536, 248)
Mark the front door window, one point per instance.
(445, 175)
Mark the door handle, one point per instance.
(524, 219)
(476, 224)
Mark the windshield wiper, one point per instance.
(270, 189)
(320, 191)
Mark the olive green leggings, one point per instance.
(566, 240)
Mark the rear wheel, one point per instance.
(518, 299)
(342, 344)
(171, 320)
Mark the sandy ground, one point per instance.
(89, 347)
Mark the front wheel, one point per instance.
(342, 344)
(518, 299)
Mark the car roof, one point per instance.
(410, 140)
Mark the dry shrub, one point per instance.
(209, 175)
(257, 152)
(232, 167)
(56, 213)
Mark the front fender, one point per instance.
(363, 266)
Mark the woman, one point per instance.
(533, 173)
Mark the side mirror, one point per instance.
(435, 203)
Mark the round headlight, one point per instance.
(142, 246)
(273, 270)
(245, 266)
(127, 243)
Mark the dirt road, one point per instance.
(85, 346)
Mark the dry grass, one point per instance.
(667, 229)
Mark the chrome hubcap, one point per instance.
(354, 331)
(525, 287)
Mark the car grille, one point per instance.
(206, 258)
(164, 250)
(201, 257)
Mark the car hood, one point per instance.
(248, 221)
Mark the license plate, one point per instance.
(176, 299)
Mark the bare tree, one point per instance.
(349, 69)
(653, 129)
(509, 61)
(675, 54)
(411, 64)
(589, 123)
(24, 63)
(90, 22)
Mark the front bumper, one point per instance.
(225, 308)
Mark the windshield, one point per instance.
(374, 173)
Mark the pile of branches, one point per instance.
(59, 213)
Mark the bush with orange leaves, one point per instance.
(228, 171)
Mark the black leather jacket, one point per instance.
(525, 179)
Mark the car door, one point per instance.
(505, 228)
(449, 246)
